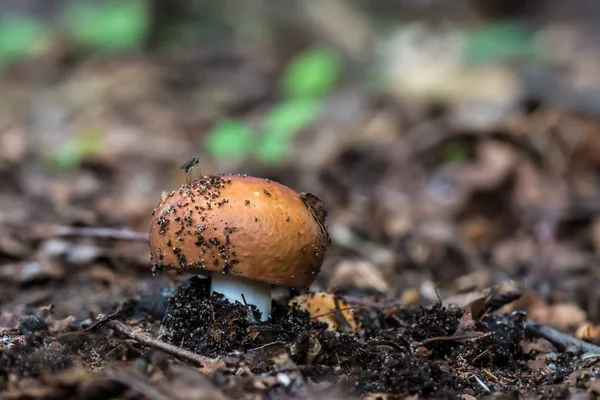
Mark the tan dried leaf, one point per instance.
(588, 332)
(359, 274)
(328, 308)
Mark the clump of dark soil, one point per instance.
(211, 325)
(409, 350)
(29, 352)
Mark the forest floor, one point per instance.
(468, 276)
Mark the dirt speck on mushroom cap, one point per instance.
(239, 225)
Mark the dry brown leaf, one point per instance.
(103, 274)
(537, 364)
(588, 332)
(540, 345)
(474, 299)
(579, 375)
(562, 316)
(536, 191)
(410, 296)
(10, 246)
(474, 281)
(478, 230)
(13, 144)
(466, 324)
(29, 271)
(593, 385)
(361, 274)
(513, 253)
(322, 307)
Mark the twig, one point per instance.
(389, 343)
(101, 233)
(340, 317)
(559, 338)
(150, 341)
(102, 320)
(483, 385)
(249, 314)
(456, 338)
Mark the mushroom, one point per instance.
(247, 233)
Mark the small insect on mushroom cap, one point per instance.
(242, 226)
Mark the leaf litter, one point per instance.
(463, 262)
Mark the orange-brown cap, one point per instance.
(242, 226)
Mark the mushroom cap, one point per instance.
(242, 226)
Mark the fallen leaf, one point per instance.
(537, 364)
(562, 316)
(588, 332)
(361, 274)
(328, 308)
(540, 345)
(593, 385)
(410, 296)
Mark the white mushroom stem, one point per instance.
(233, 287)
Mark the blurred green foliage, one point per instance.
(305, 82)
(229, 139)
(291, 115)
(20, 37)
(108, 25)
(499, 41)
(455, 153)
(281, 124)
(312, 73)
(70, 153)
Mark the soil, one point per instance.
(429, 352)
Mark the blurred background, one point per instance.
(456, 144)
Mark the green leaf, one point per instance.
(455, 153)
(20, 37)
(273, 149)
(499, 41)
(67, 155)
(108, 25)
(89, 142)
(313, 73)
(281, 123)
(229, 139)
(72, 152)
(288, 117)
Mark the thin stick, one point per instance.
(102, 233)
(102, 320)
(457, 338)
(559, 338)
(150, 341)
